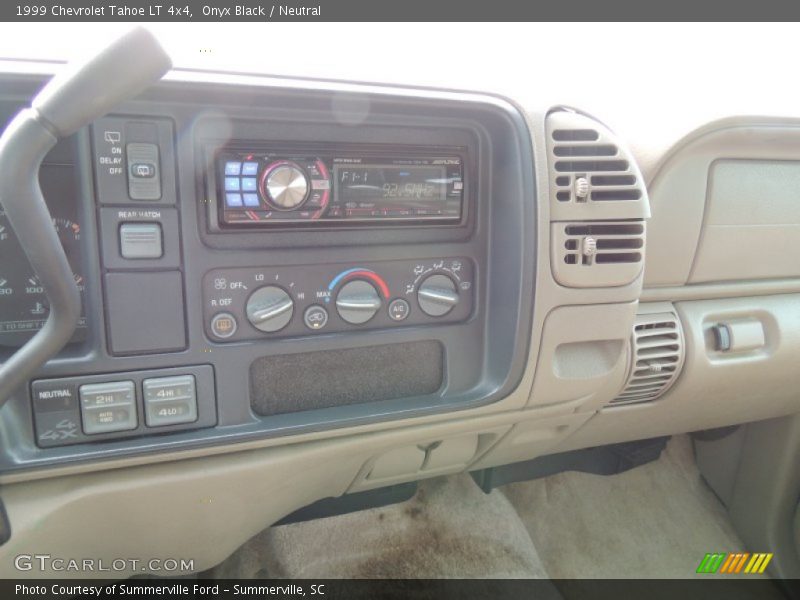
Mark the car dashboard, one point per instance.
(299, 289)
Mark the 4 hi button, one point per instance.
(170, 400)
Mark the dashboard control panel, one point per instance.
(370, 241)
(249, 303)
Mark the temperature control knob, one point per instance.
(437, 295)
(269, 308)
(285, 186)
(358, 301)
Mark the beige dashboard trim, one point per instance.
(707, 291)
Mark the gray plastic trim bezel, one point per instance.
(486, 356)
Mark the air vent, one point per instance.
(592, 175)
(657, 357)
(593, 254)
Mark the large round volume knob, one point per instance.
(286, 186)
(357, 302)
(437, 295)
(269, 308)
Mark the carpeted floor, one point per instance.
(449, 529)
(655, 521)
(658, 520)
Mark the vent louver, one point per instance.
(602, 243)
(598, 253)
(657, 357)
(590, 167)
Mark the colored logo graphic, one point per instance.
(735, 563)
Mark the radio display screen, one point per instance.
(278, 187)
(387, 184)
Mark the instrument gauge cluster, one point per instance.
(24, 306)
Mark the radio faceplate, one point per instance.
(250, 303)
(257, 186)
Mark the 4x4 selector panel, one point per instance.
(257, 302)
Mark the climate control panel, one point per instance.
(251, 303)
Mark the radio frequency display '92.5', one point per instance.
(274, 186)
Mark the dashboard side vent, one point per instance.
(592, 175)
(597, 253)
(657, 349)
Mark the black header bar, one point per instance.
(394, 10)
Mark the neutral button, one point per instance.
(399, 309)
(56, 412)
(140, 240)
(315, 317)
(108, 407)
(223, 325)
(170, 400)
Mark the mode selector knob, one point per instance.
(358, 301)
(285, 185)
(269, 308)
(437, 295)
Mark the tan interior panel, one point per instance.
(715, 388)
(427, 458)
(532, 438)
(583, 354)
(752, 222)
(724, 204)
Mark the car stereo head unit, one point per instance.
(262, 186)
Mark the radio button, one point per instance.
(314, 200)
(232, 184)
(251, 200)
(248, 184)
(286, 186)
(250, 168)
(233, 200)
(233, 168)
